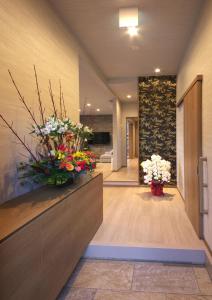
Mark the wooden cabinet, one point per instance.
(43, 235)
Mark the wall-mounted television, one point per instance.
(100, 138)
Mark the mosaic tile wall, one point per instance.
(157, 119)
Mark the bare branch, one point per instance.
(61, 109)
(18, 137)
(39, 97)
(64, 108)
(21, 98)
(52, 98)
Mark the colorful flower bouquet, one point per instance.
(157, 172)
(59, 156)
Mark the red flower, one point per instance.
(69, 157)
(82, 164)
(93, 165)
(62, 165)
(62, 148)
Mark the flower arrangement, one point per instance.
(157, 172)
(60, 141)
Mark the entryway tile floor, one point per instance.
(128, 280)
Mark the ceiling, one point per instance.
(93, 91)
(165, 28)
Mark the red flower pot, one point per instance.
(157, 188)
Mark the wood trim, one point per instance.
(199, 77)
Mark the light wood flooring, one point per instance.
(132, 216)
(129, 173)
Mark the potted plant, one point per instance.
(59, 156)
(157, 172)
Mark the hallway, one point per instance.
(132, 216)
(106, 135)
(129, 173)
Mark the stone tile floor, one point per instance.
(126, 280)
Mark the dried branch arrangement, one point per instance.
(61, 140)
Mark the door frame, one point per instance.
(137, 137)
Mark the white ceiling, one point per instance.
(165, 28)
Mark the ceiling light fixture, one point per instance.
(157, 70)
(129, 96)
(128, 17)
(79, 110)
(88, 104)
(97, 109)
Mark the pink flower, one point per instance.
(78, 168)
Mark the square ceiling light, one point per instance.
(128, 17)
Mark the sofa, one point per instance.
(106, 157)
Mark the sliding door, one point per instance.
(192, 152)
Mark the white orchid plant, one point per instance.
(156, 170)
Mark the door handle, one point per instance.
(202, 185)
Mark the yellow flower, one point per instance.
(61, 155)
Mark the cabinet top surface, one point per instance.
(16, 213)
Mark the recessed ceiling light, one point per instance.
(128, 17)
(97, 109)
(129, 96)
(132, 31)
(88, 104)
(157, 70)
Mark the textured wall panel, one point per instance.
(157, 119)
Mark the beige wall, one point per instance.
(31, 33)
(117, 135)
(198, 60)
(128, 110)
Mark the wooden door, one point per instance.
(192, 152)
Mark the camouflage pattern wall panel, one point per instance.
(157, 119)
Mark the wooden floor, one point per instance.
(132, 216)
(129, 173)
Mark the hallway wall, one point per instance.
(31, 33)
(198, 60)
(117, 135)
(157, 119)
(129, 110)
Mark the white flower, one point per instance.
(37, 130)
(45, 131)
(157, 169)
(61, 130)
(52, 152)
(79, 125)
